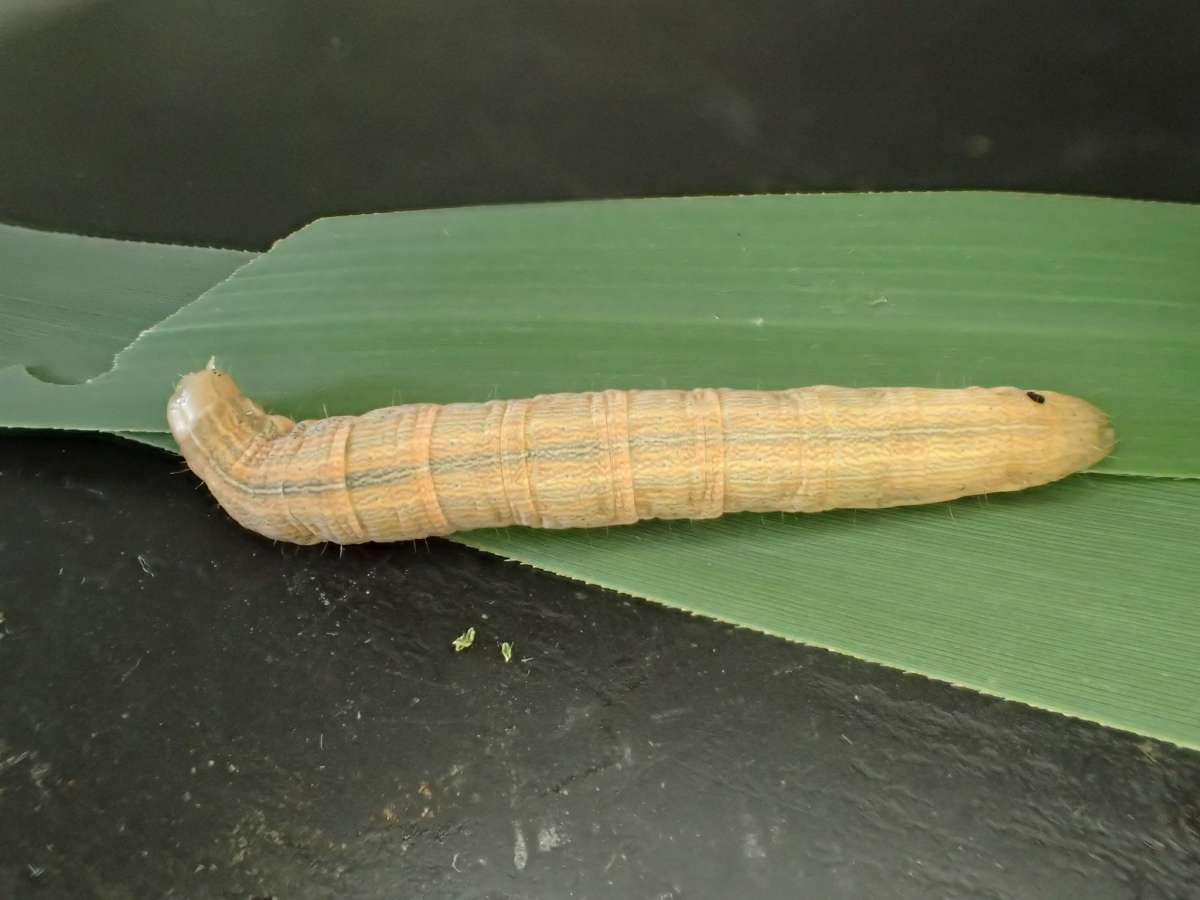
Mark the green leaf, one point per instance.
(1089, 297)
(68, 303)
(1079, 597)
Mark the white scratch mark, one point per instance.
(520, 851)
(752, 847)
(132, 669)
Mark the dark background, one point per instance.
(188, 710)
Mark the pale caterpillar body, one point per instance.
(613, 457)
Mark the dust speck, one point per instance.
(752, 847)
(977, 146)
(550, 837)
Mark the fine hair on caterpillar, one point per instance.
(613, 457)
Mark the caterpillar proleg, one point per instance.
(613, 457)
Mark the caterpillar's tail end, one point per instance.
(1085, 434)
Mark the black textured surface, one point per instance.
(189, 706)
(187, 710)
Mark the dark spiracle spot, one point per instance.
(1035, 396)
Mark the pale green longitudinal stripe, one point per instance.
(1080, 597)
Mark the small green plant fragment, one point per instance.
(464, 640)
(506, 651)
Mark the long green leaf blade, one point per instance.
(1093, 297)
(69, 303)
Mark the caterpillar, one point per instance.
(582, 460)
